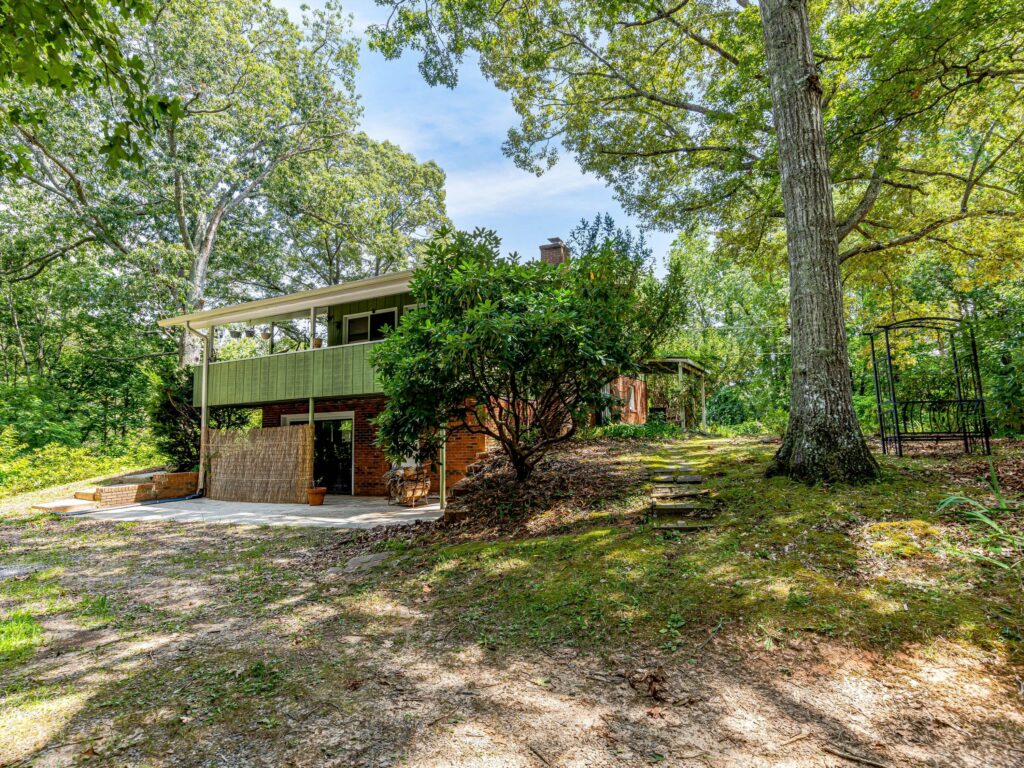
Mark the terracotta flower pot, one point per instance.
(317, 343)
(315, 496)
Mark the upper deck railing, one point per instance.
(338, 371)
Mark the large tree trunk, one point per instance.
(823, 439)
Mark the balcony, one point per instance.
(338, 371)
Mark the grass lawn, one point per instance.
(805, 622)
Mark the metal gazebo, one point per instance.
(956, 412)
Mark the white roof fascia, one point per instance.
(295, 303)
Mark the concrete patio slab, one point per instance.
(336, 512)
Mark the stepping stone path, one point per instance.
(676, 499)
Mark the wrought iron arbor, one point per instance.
(950, 409)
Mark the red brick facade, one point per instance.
(633, 410)
(370, 461)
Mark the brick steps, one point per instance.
(163, 485)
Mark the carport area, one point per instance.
(336, 512)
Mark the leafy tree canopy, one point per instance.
(71, 46)
(528, 346)
(668, 101)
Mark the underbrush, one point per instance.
(24, 469)
(652, 430)
(574, 483)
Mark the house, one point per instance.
(317, 394)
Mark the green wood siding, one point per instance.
(336, 314)
(330, 372)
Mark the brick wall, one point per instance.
(460, 451)
(370, 461)
(116, 495)
(174, 485)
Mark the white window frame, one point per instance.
(344, 325)
(291, 419)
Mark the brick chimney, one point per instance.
(554, 251)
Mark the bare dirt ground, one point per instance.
(192, 645)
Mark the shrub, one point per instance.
(176, 422)
(531, 345)
(28, 469)
(652, 430)
(726, 406)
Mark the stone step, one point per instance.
(460, 488)
(691, 479)
(66, 506)
(86, 494)
(683, 526)
(670, 469)
(675, 490)
(679, 506)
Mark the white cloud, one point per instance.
(504, 189)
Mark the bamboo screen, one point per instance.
(274, 464)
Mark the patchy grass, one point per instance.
(868, 565)
(20, 633)
(530, 630)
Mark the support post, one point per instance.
(442, 475)
(682, 398)
(892, 397)
(204, 403)
(312, 361)
(703, 403)
(878, 398)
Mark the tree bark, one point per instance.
(823, 440)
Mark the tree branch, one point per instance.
(867, 201)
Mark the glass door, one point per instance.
(332, 455)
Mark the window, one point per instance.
(369, 327)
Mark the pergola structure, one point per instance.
(681, 367)
(955, 409)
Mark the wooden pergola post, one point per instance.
(703, 403)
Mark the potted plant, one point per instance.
(317, 343)
(235, 334)
(315, 495)
(265, 335)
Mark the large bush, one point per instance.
(726, 406)
(531, 345)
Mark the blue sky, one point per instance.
(462, 131)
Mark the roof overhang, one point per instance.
(673, 364)
(294, 304)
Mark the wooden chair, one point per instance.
(407, 485)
